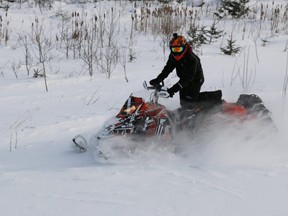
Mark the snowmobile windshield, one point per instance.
(130, 106)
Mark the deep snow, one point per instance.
(222, 174)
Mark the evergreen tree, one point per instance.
(213, 33)
(234, 8)
(231, 48)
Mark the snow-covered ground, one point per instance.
(42, 174)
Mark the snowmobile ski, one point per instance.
(80, 142)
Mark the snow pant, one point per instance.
(190, 93)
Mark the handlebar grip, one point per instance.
(158, 87)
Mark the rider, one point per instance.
(188, 69)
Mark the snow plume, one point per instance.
(224, 142)
(240, 144)
(124, 149)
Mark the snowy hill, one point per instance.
(222, 174)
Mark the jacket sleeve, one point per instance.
(168, 68)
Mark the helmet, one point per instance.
(178, 46)
(177, 41)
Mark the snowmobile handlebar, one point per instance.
(159, 91)
(157, 87)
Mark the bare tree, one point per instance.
(89, 46)
(43, 47)
(2, 67)
(15, 68)
(4, 28)
(107, 55)
(65, 38)
(247, 76)
(123, 61)
(285, 84)
(28, 58)
(244, 73)
(107, 59)
(43, 4)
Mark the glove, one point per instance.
(155, 82)
(171, 92)
(175, 88)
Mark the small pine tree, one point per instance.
(197, 36)
(202, 35)
(213, 33)
(231, 48)
(234, 8)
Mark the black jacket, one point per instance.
(188, 68)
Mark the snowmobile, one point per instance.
(136, 119)
(139, 120)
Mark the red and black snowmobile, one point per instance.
(139, 120)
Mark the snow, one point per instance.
(220, 174)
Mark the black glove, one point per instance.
(155, 82)
(175, 88)
(171, 92)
